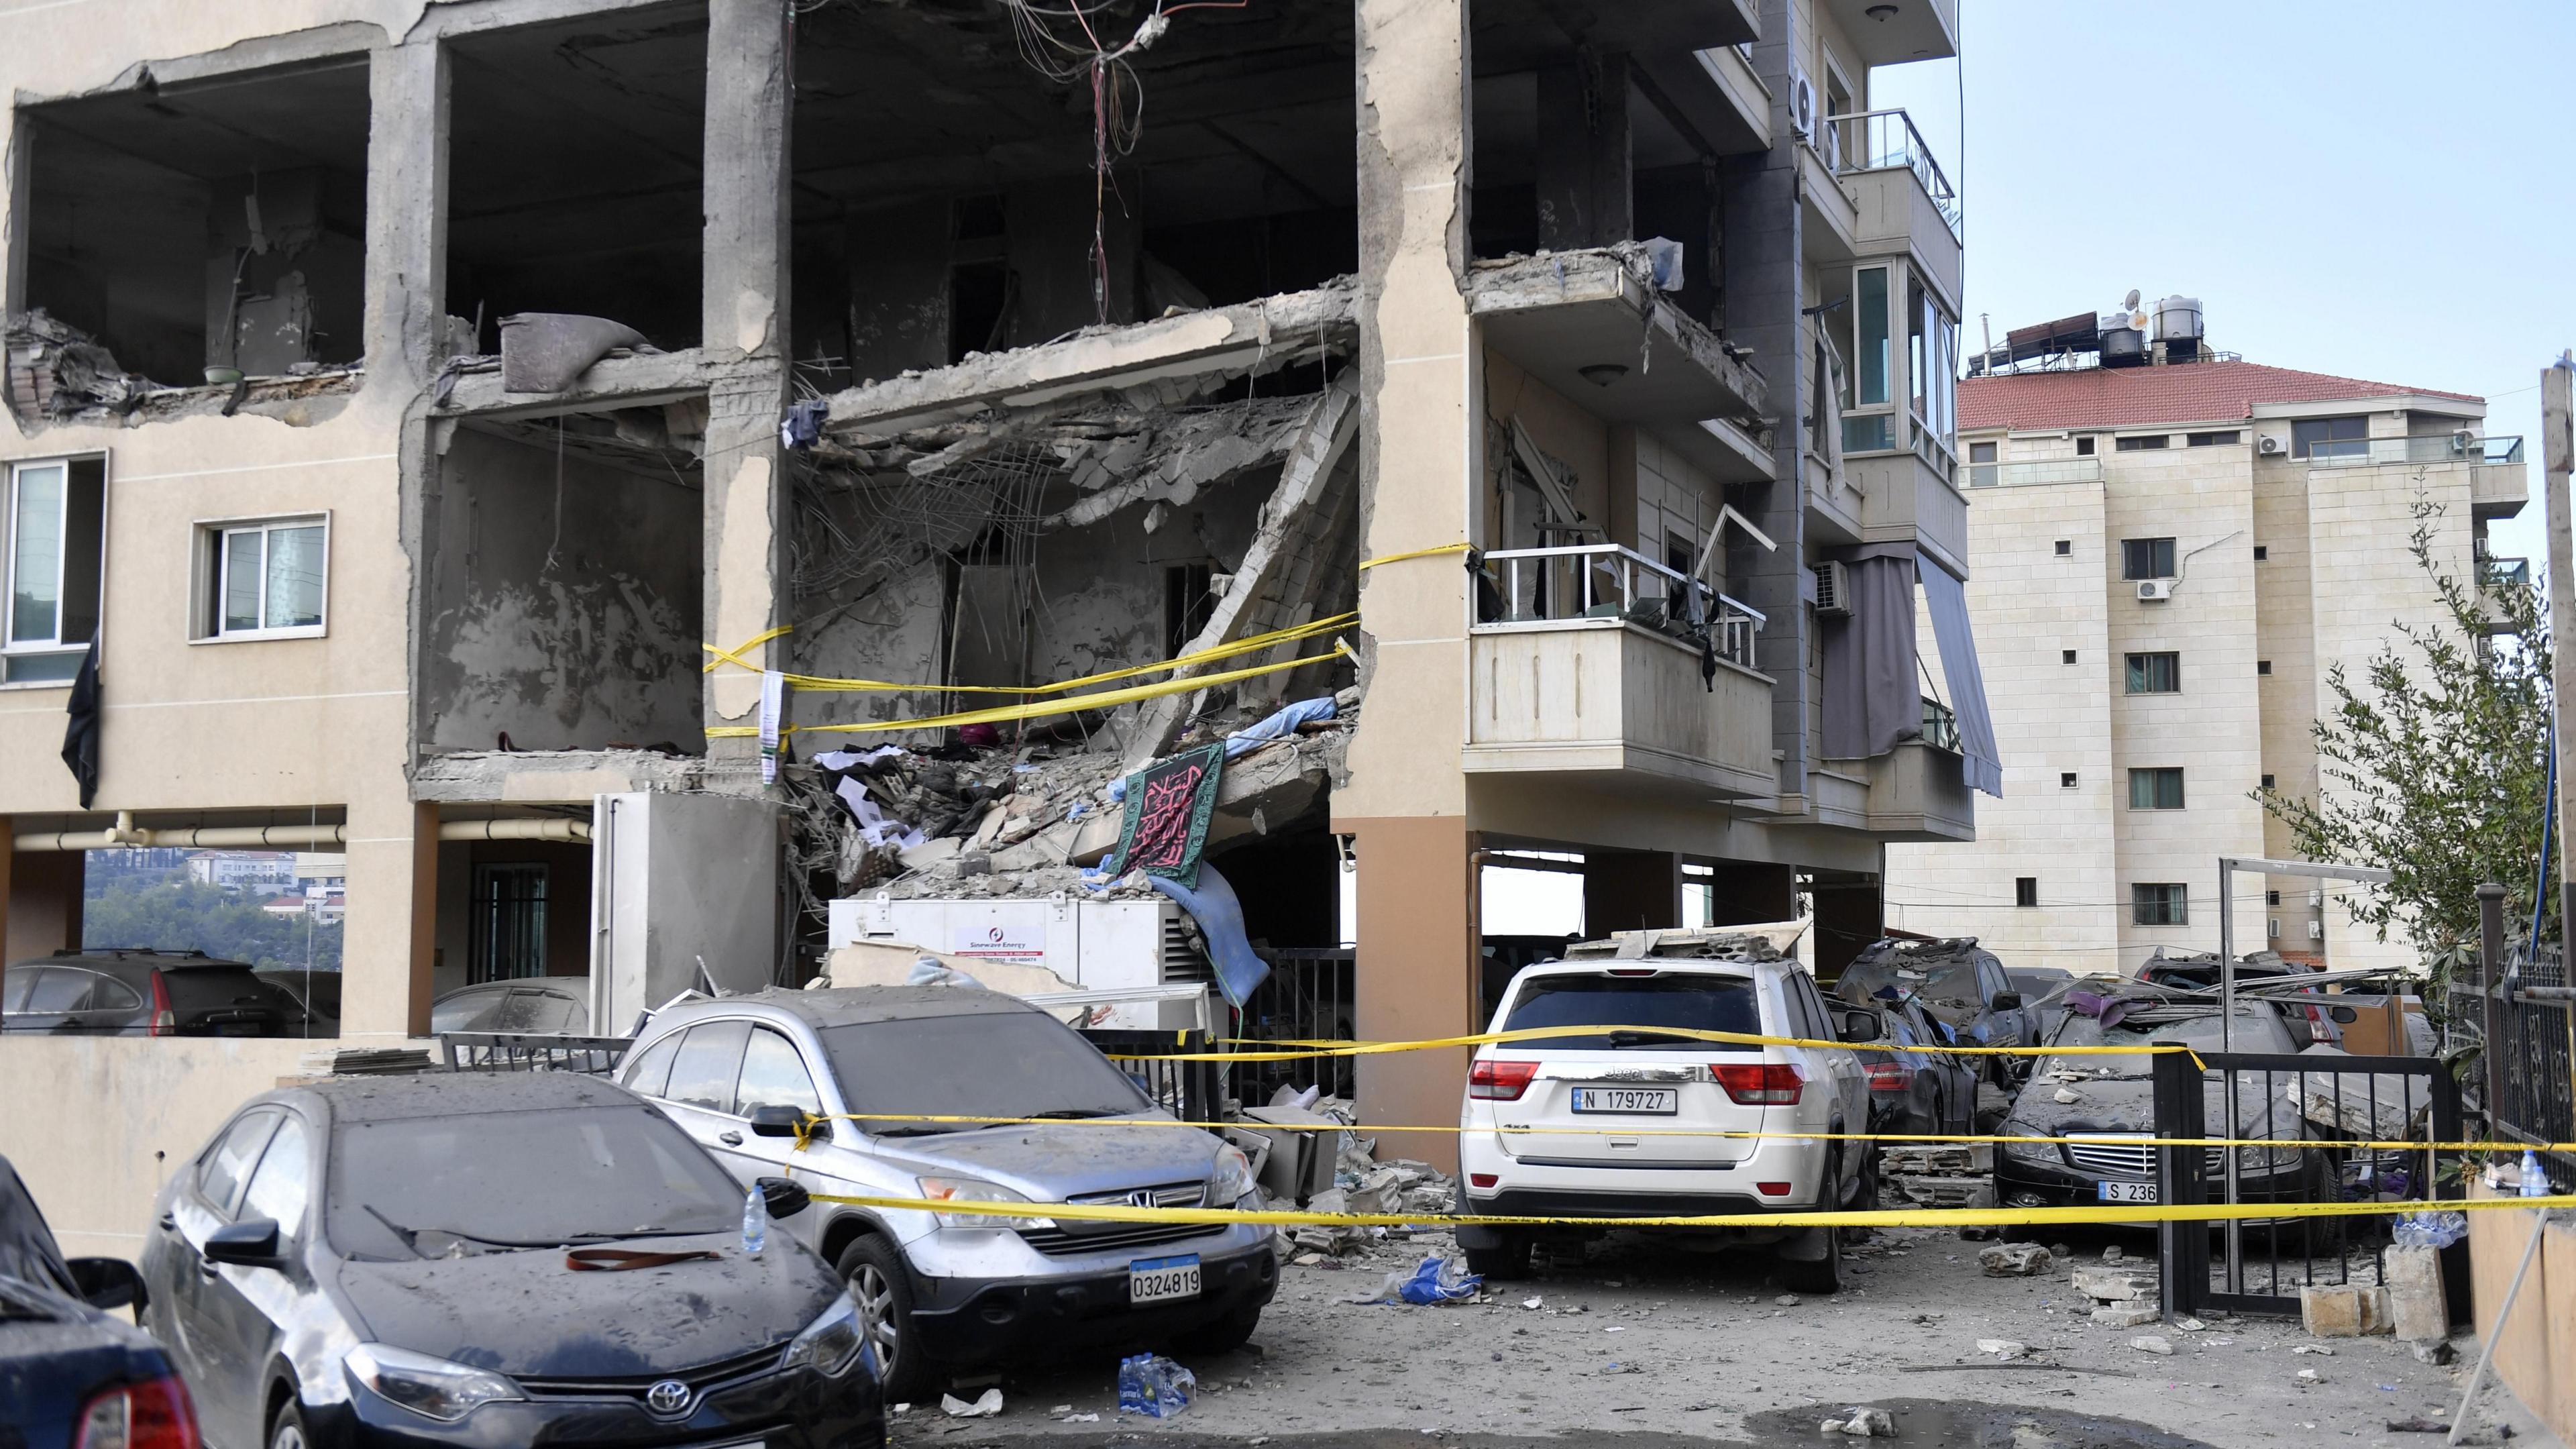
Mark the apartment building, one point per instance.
(2173, 552)
(437, 418)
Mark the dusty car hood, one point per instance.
(2128, 1104)
(526, 1313)
(1052, 1164)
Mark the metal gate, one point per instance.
(2282, 1102)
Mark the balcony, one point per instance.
(1907, 497)
(2459, 447)
(2504, 573)
(1901, 198)
(1894, 32)
(2035, 473)
(1919, 790)
(1593, 668)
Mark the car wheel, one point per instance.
(1824, 1272)
(1506, 1260)
(1225, 1335)
(286, 1431)
(873, 1269)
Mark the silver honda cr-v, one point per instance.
(953, 1290)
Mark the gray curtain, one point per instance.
(1947, 597)
(1871, 700)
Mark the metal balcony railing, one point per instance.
(1607, 581)
(1940, 725)
(2500, 573)
(2044, 470)
(2438, 448)
(1884, 140)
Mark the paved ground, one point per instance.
(1638, 1345)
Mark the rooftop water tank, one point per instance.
(2178, 319)
(2123, 347)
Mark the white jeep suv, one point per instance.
(1576, 1125)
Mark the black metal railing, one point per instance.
(2285, 1102)
(1940, 726)
(1309, 995)
(506, 1051)
(1191, 1091)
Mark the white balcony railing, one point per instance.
(2436, 448)
(1884, 140)
(1607, 581)
(2035, 471)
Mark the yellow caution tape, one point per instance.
(1732, 1038)
(734, 655)
(1249, 644)
(1836, 1217)
(1075, 704)
(1370, 563)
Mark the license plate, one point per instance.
(2128, 1192)
(1652, 1101)
(1163, 1280)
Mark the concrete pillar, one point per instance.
(40, 902)
(750, 90)
(1746, 892)
(1405, 800)
(388, 944)
(1582, 157)
(407, 170)
(1631, 890)
(1848, 917)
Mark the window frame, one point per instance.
(213, 569)
(2226, 439)
(2141, 671)
(2156, 775)
(2026, 892)
(2159, 550)
(12, 650)
(2357, 445)
(2144, 443)
(2174, 908)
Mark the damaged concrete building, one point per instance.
(441, 416)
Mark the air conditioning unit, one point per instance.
(2462, 441)
(2316, 930)
(2154, 590)
(2267, 445)
(2316, 900)
(1802, 104)
(1833, 590)
(2275, 932)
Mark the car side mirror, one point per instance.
(1862, 1025)
(251, 1243)
(777, 1121)
(784, 1198)
(108, 1283)
(2007, 1001)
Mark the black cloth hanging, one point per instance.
(80, 734)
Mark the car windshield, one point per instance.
(448, 1186)
(2258, 1029)
(1947, 980)
(984, 1064)
(1640, 1003)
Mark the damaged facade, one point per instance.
(936, 367)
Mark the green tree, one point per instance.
(173, 913)
(2437, 764)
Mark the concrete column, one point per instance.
(1631, 890)
(1746, 892)
(386, 948)
(407, 169)
(1406, 797)
(40, 902)
(750, 90)
(1582, 158)
(1848, 917)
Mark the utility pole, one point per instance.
(2557, 460)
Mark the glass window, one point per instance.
(2156, 789)
(1982, 470)
(2146, 558)
(2144, 444)
(2165, 904)
(36, 554)
(2215, 440)
(2155, 673)
(106, 993)
(703, 1074)
(2084, 447)
(1870, 335)
(1932, 347)
(15, 983)
(58, 989)
(649, 1074)
(2026, 891)
(2329, 437)
(1697, 1003)
(1025, 1063)
(52, 526)
(1868, 433)
(284, 1182)
(773, 1075)
(269, 577)
(224, 1164)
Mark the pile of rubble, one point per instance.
(1305, 1152)
(56, 370)
(1940, 1175)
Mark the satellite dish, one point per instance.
(2131, 303)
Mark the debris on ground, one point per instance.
(2345, 1311)
(1940, 1175)
(2003, 1347)
(2126, 1315)
(2014, 1260)
(1433, 1280)
(2111, 1283)
(986, 1405)
(1861, 1423)
(2153, 1344)
(1153, 1385)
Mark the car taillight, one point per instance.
(1760, 1084)
(1889, 1076)
(1500, 1081)
(151, 1415)
(1483, 1179)
(1772, 1189)
(165, 1022)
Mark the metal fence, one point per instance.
(1309, 995)
(1191, 1091)
(2281, 1103)
(504, 1051)
(2523, 1080)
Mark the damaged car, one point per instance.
(459, 1259)
(1960, 983)
(893, 1092)
(2108, 1101)
(1912, 1090)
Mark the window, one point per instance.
(52, 551)
(2143, 444)
(2267, 784)
(2066, 780)
(1982, 470)
(1189, 601)
(2156, 789)
(703, 1073)
(1869, 433)
(2262, 666)
(2329, 437)
(2146, 558)
(2271, 898)
(508, 923)
(773, 1075)
(220, 1172)
(649, 1075)
(2025, 891)
(2065, 656)
(2161, 904)
(2261, 552)
(282, 1186)
(2155, 674)
(2215, 440)
(2066, 548)
(263, 579)
(2084, 447)
(1932, 351)
(2272, 928)
(1871, 359)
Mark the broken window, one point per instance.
(188, 228)
(52, 552)
(263, 578)
(1187, 605)
(576, 173)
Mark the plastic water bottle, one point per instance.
(755, 1223)
(2409, 1232)
(1153, 1385)
(2535, 1183)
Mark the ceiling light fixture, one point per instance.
(1881, 13)
(1602, 374)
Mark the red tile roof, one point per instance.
(2117, 397)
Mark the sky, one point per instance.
(2373, 190)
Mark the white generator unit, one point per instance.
(1097, 945)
